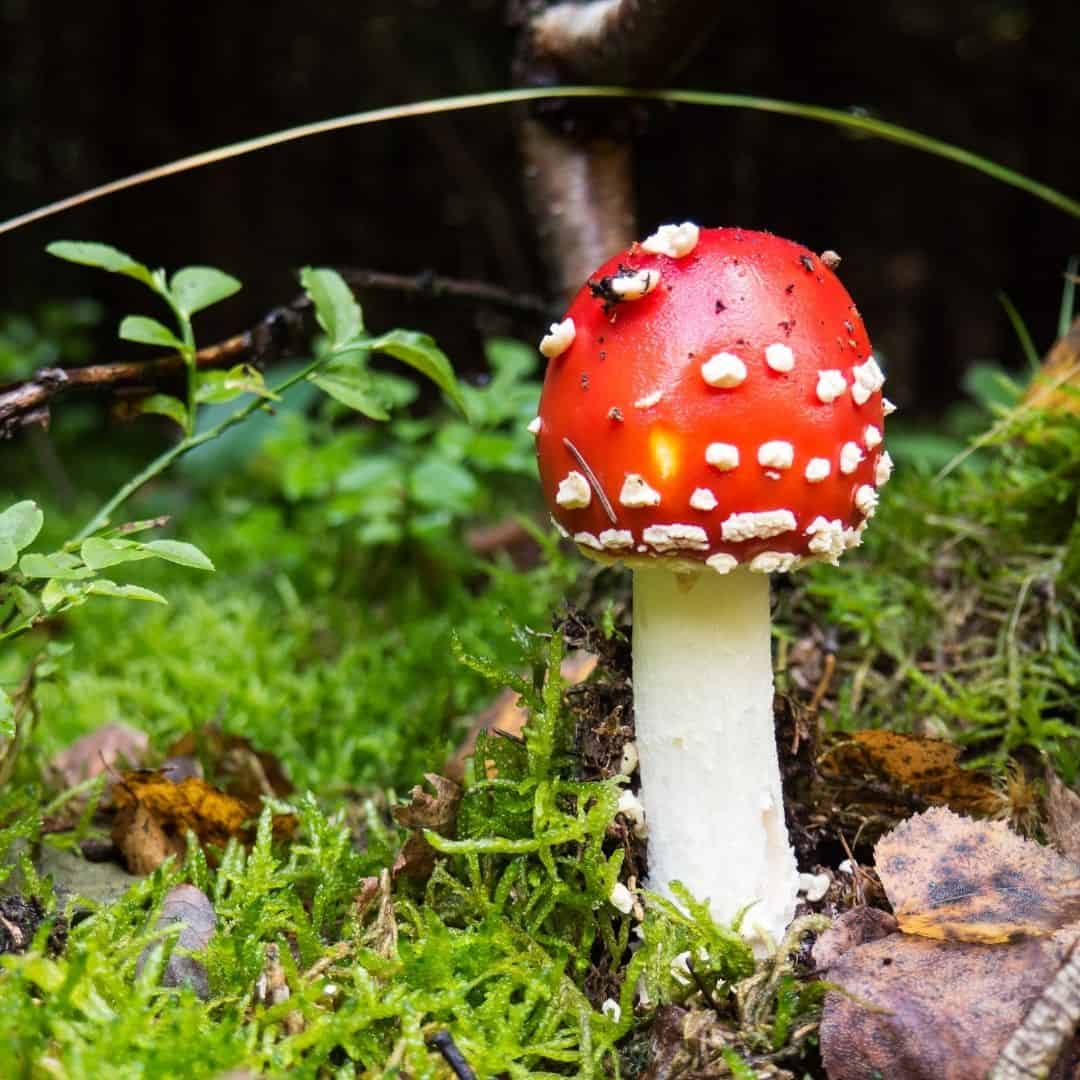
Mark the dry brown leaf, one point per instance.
(955, 879)
(109, 747)
(1063, 817)
(233, 761)
(142, 839)
(191, 805)
(930, 768)
(505, 714)
(425, 811)
(1056, 384)
(913, 1009)
(854, 927)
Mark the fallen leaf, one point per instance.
(191, 805)
(1062, 817)
(110, 747)
(234, 763)
(154, 815)
(955, 879)
(915, 1009)
(425, 811)
(438, 812)
(930, 768)
(507, 716)
(190, 907)
(854, 927)
(142, 839)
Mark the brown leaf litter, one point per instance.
(954, 879)
(987, 921)
(154, 814)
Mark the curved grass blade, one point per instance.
(837, 117)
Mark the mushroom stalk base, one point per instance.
(710, 777)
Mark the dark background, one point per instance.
(91, 92)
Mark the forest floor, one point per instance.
(210, 862)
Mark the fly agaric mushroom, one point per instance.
(713, 413)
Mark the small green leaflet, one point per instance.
(196, 287)
(104, 587)
(419, 351)
(60, 567)
(353, 387)
(176, 551)
(19, 527)
(103, 257)
(100, 552)
(335, 306)
(165, 405)
(148, 331)
(219, 387)
(7, 717)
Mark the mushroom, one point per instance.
(748, 441)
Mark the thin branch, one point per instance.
(27, 403)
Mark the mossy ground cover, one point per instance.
(327, 636)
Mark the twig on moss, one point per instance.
(443, 1042)
(27, 403)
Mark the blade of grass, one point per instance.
(1023, 335)
(837, 117)
(1068, 296)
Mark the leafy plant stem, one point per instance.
(184, 446)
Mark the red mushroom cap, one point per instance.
(712, 397)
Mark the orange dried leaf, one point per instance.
(955, 879)
(193, 805)
(928, 767)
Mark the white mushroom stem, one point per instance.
(710, 776)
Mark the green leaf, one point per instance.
(148, 331)
(441, 484)
(197, 287)
(176, 551)
(60, 566)
(104, 587)
(219, 387)
(353, 387)
(165, 405)
(19, 528)
(59, 593)
(419, 351)
(103, 257)
(7, 717)
(335, 306)
(99, 553)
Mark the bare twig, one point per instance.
(1035, 1047)
(27, 403)
(444, 1043)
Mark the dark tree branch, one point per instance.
(27, 403)
(578, 171)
